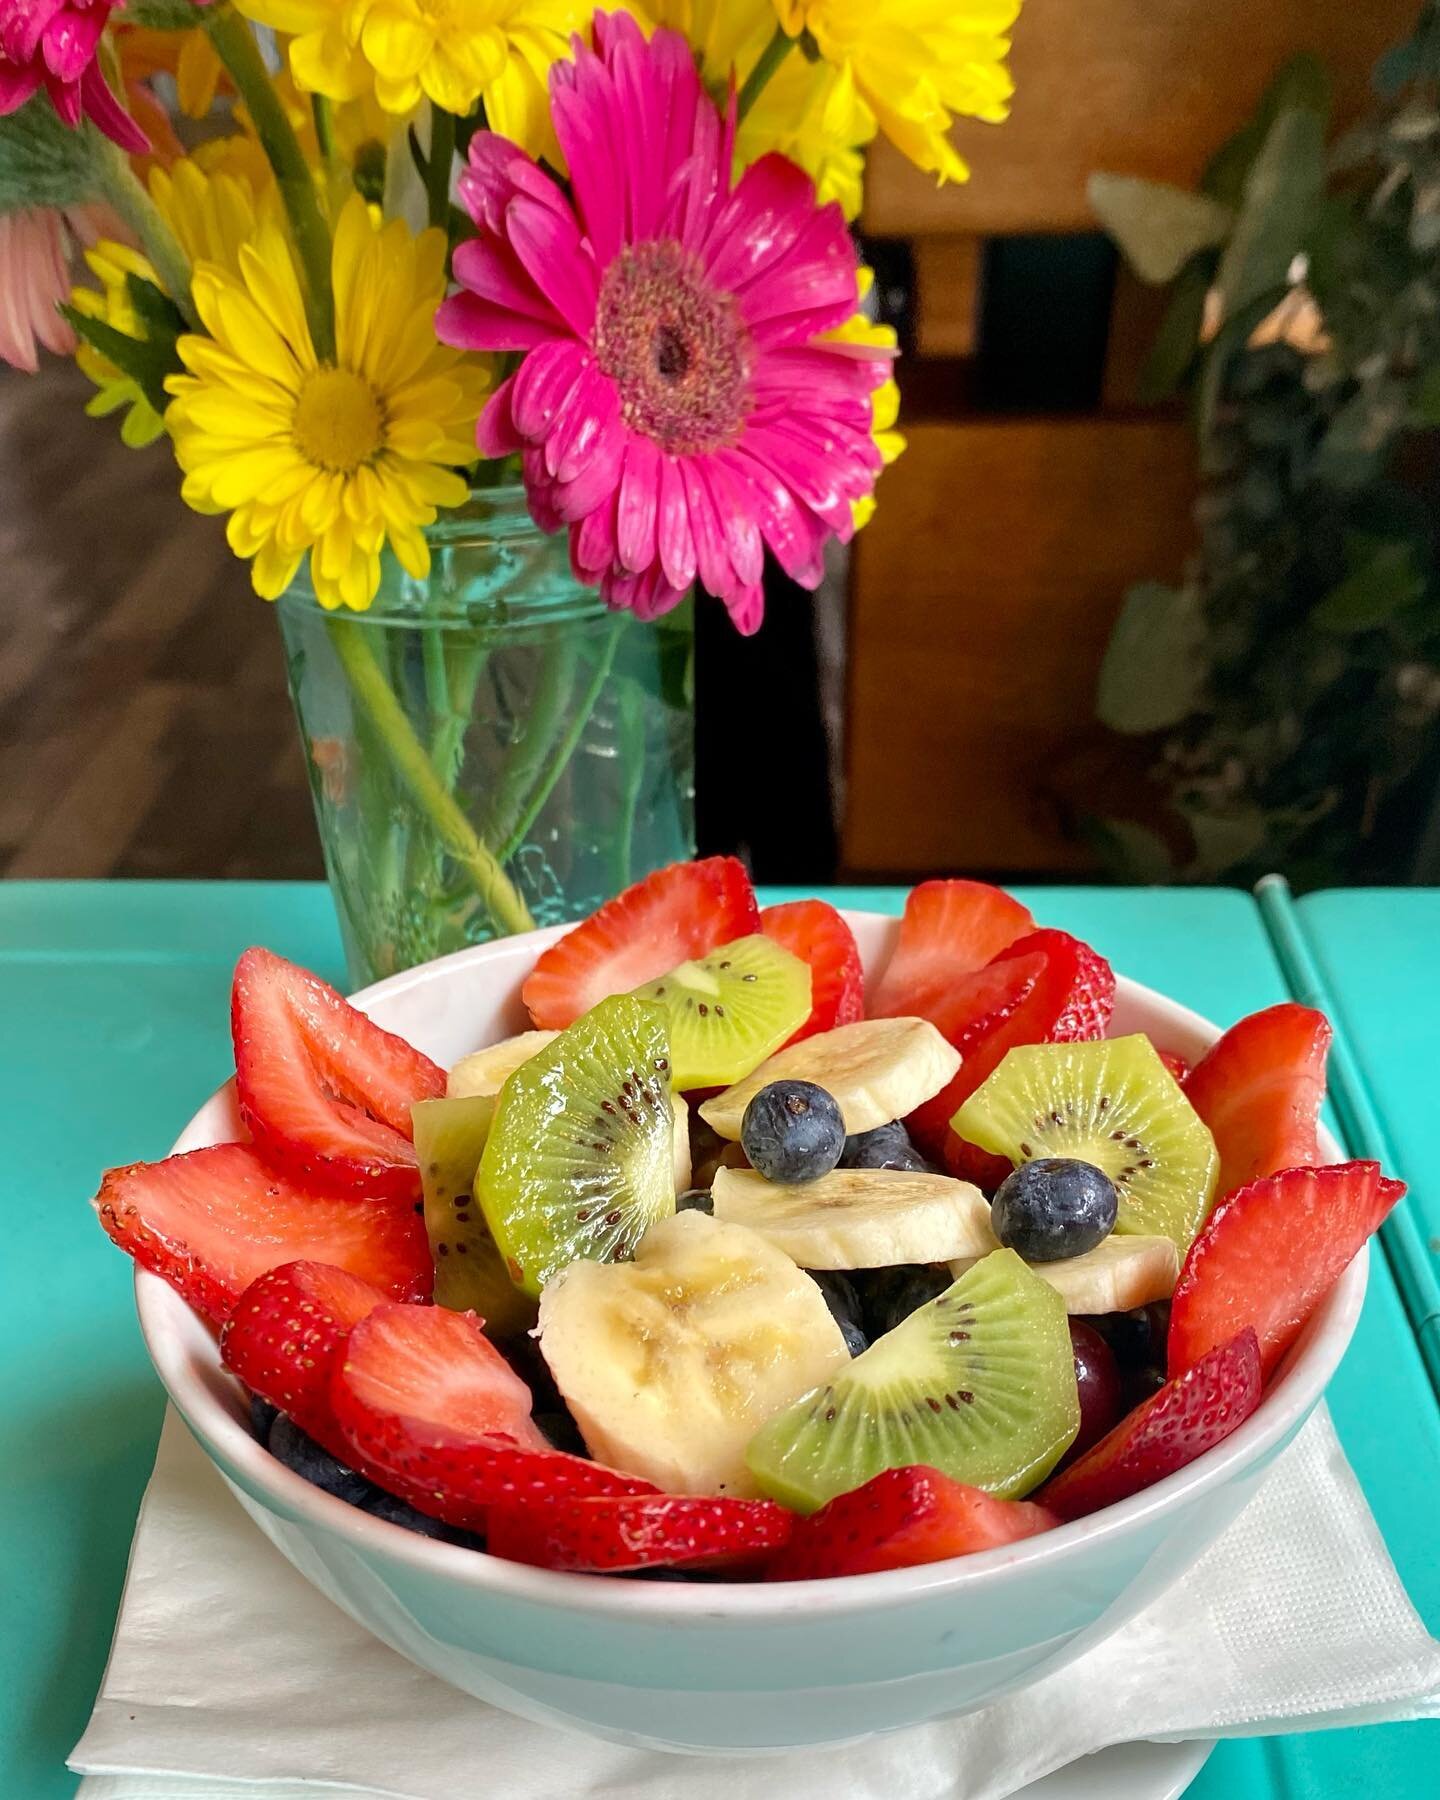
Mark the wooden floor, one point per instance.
(144, 724)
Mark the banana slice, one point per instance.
(672, 1362)
(877, 1069)
(860, 1218)
(485, 1071)
(1121, 1273)
(682, 1143)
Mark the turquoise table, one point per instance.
(1368, 957)
(113, 1029)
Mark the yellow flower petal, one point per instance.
(329, 461)
(915, 64)
(272, 571)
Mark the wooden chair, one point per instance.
(983, 592)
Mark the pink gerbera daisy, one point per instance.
(36, 246)
(52, 44)
(676, 407)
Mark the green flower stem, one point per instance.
(126, 193)
(565, 748)
(437, 169)
(324, 126)
(544, 719)
(237, 49)
(466, 664)
(413, 765)
(771, 58)
(630, 732)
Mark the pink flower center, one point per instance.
(675, 347)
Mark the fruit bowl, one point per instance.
(707, 1667)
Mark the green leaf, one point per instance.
(1425, 404)
(163, 15)
(1158, 227)
(1304, 81)
(1178, 339)
(1153, 671)
(44, 163)
(162, 319)
(1223, 839)
(1398, 65)
(1231, 338)
(1386, 579)
(1360, 435)
(1278, 208)
(146, 364)
(1131, 849)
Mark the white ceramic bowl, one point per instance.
(734, 1667)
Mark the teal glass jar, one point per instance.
(489, 749)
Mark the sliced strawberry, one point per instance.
(668, 918)
(949, 929)
(1079, 982)
(213, 1220)
(815, 932)
(285, 1332)
(1260, 1089)
(968, 1162)
(430, 1410)
(1269, 1253)
(900, 1518)
(1178, 1066)
(1045, 988)
(640, 1531)
(325, 1092)
(1189, 1416)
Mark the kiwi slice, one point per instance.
(580, 1157)
(470, 1272)
(978, 1383)
(730, 1009)
(1114, 1104)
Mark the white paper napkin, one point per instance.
(231, 1678)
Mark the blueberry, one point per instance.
(844, 1304)
(1136, 1337)
(696, 1200)
(793, 1131)
(1141, 1384)
(1054, 1207)
(896, 1293)
(290, 1445)
(262, 1416)
(886, 1147)
(381, 1505)
(853, 1333)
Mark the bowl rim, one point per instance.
(166, 1322)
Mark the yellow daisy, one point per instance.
(884, 400)
(111, 264)
(323, 58)
(214, 212)
(188, 56)
(211, 216)
(807, 111)
(455, 52)
(915, 65)
(811, 113)
(329, 459)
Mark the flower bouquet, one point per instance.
(492, 328)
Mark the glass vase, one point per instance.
(489, 749)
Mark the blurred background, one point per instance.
(1140, 602)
